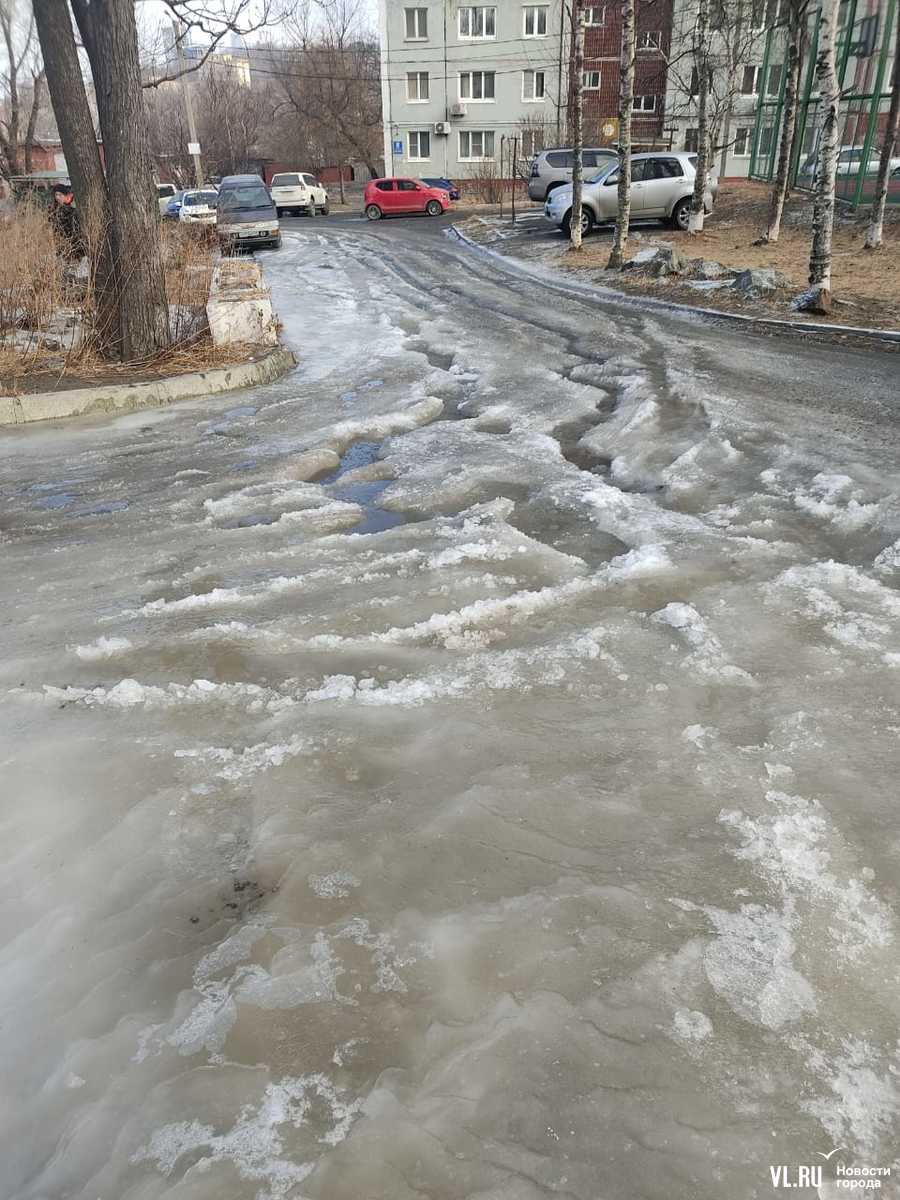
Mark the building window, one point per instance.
(476, 145)
(416, 24)
(595, 16)
(417, 90)
(532, 142)
(419, 145)
(644, 104)
(648, 41)
(534, 17)
(743, 140)
(691, 140)
(773, 83)
(476, 85)
(533, 85)
(750, 81)
(477, 23)
(590, 81)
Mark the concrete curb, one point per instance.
(117, 398)
(653, 304)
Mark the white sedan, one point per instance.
(199, 207)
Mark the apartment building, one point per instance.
(738, 80)
(458, 80)
(600, 82)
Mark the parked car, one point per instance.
(164, 193)
(172, 210)
(294, 191)
(383, 197)
(551, 169)
(446, 185)
(199, 207)
(662, 184)
(849, 162)
(246, 214)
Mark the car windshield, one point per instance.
(195, 199)
(246, 197)
(608, 167)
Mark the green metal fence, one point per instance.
(865, 59)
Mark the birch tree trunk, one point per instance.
(701, 53)
(109, 34)
(793, 61)
(577, 131)
(818, 297)
(892, 129)
(626, 105)
(76, 130)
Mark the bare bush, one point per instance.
(487, 182)
(31, 281)
(189, 255)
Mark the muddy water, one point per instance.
(506, 812)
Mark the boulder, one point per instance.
(756, 281)
(657, 261)
(706, 268)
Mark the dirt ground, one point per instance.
(865, 284)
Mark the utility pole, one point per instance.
(578, 122)
(188, 106)
(515, 170)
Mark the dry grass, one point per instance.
(866, 284)
(46, 315)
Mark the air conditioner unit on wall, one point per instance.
(442, 128)
(457, 110)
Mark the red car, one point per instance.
(386, 196)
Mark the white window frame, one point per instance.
(474, 8)
(417, 134)
(418, 76)
(476, 99)
(470, 133)
(648, 41)
(589, 16)
(757, 72)
(642, 108)
(590, 87)
(748, 142)
(418, 21)
(534, 98)
(535, 10)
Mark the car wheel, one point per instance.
(681, 213)
(278, 211)
(434, 208)
(373, 212)
(325, 210)
(587, 222)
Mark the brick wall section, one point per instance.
(601, 51)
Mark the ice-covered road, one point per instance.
(508, 812)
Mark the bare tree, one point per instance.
(818, 297)
(109, 34)
(210, 22)
(329, 78)
(704, 70)
(76, 128)
(796, 26)
(575, 230)
(229, 117)
(626, 106)
(21, 87)
(891, 132)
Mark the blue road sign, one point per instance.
(398, 146)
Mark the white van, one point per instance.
(298, 191)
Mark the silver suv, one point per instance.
(662, 184)
(552, 168)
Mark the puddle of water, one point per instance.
(366, 493)
(242, 410)
(249, 465)
(99, 510)
(61, 501)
